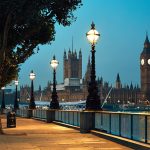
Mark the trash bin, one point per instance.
(11, 120)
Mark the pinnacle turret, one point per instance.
(65, 56)
(80, 53)
(146, 43)
(118, 78)
(131, 86)
(118, 82)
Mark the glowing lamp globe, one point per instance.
(93, 35)
(32, 75)
(16, 82)
(2, 88)
(54, 63)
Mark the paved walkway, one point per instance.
(37, 135)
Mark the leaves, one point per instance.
(24, 25)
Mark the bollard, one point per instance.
(87, 121)
(50, 115)
(29, 113)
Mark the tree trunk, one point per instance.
(5, 36)
(1, 131)
(3, 47)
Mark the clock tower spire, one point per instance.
(145, 70)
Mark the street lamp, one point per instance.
(16, 105)
(32, 102)
(93, 99)
(3, 98)
(54, 103)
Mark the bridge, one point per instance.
(113, 130)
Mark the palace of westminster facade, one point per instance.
(75, 88)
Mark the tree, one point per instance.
(24, 24)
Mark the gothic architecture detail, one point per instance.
(118, 82)
(145, 70)
(72, 64)
(73, 89)
(88, 72)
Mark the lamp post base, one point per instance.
(54, 105)
(93, 103)
(32, 105)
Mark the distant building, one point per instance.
(75, 88)
(25, 93)
(119, 94)
(72, 70)
(145, 71)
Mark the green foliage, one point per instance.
(24, 25)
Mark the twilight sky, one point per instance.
(122, 25)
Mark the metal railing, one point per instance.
(135, 126)
(22, 112)
(68, 117)
(39, 114)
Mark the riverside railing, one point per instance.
(68, 117)
(23, 112)
(135, 126)
(39, 114)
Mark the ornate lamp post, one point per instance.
(54, 103)
(3, 98)
(32, 101)
(16, 105)
(93, 100)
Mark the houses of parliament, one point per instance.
(75, 88)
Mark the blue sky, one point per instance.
(122, 25)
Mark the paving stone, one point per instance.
(32, 134)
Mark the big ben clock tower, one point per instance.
(145, 71)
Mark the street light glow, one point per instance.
(32, 101)
(54, 63)
(54, 104)
(2, 88)
(32, 75)
(93, 99)
(93, 35)
(16, 82)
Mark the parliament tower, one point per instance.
(145, 71)
(72, 65)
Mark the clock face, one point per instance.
(148, 61)
(142, 61)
